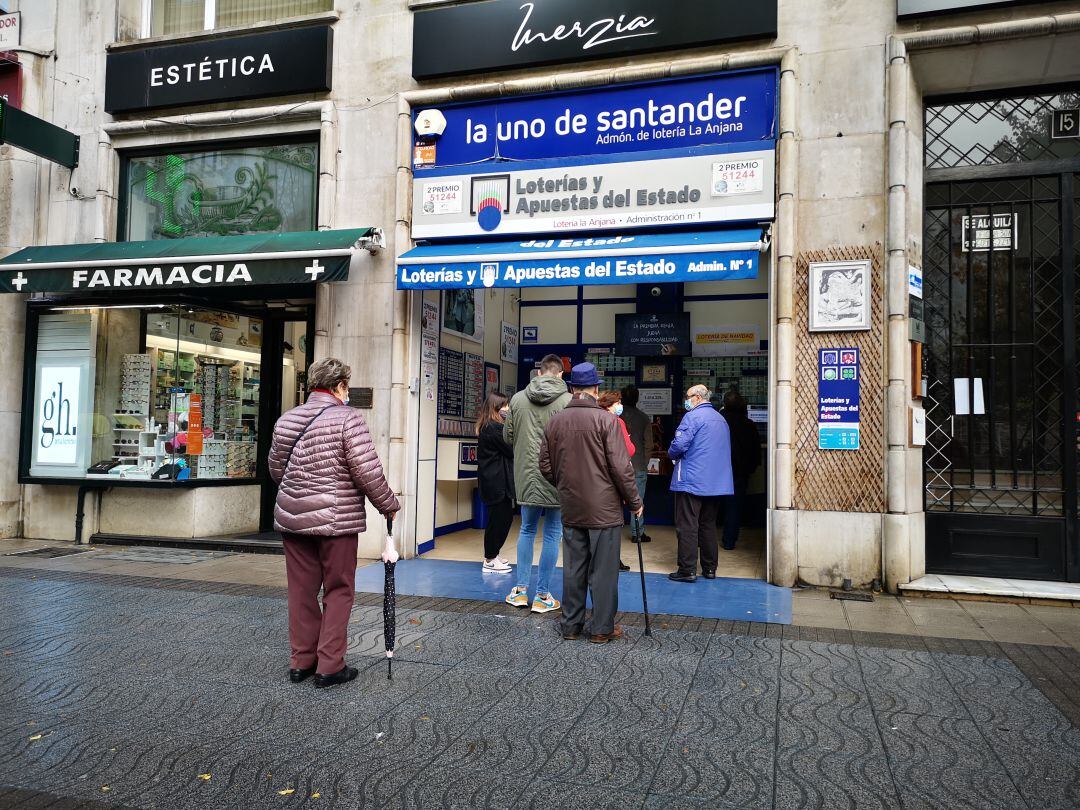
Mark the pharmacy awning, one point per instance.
(656, 258)
(187, 263)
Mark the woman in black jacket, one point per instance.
(495, 475)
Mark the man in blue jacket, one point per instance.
(701, 451)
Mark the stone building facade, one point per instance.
(858, 83)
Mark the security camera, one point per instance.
(656, 292)
(430, 123)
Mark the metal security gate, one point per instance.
(1001, 283)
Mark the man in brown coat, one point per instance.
(584, 455)
(324, 463)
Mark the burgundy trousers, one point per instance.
(319, 635)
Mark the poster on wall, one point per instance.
(508, 345)
(840, 296)
(838, 399)
(463, 314)
(56, 426)
(474, 386)
(655, 401)
(728, 340)
(429, 318)
(451, 383)
(492, 378)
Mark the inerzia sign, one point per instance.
(684, 115)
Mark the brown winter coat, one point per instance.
(583, 453)
(333, 468)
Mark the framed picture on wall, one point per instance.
(463, 314)
(840, 296)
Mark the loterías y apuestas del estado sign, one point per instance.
(276, 63)
(174, 276)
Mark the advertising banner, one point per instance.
(601, 197)
(730, 340)
(658, 268)
(56, 424)
(838, 399)
(700, 113)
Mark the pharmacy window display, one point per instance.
(159, 393)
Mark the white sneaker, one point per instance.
(497, 566)
(503, 560)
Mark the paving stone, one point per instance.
(142, 686)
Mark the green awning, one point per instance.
(194, 262)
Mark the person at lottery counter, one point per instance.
(701, 451)
(584, 454)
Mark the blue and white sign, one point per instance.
(673, 153)
(647, 259)
(838, 399)
(677, 116)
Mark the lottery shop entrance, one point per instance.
(493, 338)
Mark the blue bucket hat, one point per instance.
(584, 375)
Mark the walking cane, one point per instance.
(641, 566)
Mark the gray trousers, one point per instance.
(590, 565)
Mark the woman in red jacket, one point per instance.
(611, 401)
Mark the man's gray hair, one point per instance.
(699, 391)
(328, 374)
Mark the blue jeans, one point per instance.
(642, 480)
(549, 552)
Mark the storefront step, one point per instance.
(260, 543)
(992, 589)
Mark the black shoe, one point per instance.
(571, 635)
(709, 574)
(623, 566)
(347, 674)
(646, 539)
(679, 576)
(301, 675)
(729, 548)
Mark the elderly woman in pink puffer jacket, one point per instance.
(324, 463)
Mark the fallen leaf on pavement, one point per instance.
(315, 795)
(286, 792)
(415, 621)
(36, 737)
(205, 777)
(105, 788)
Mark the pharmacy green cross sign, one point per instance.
(29, 132)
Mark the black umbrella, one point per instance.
(389, 608)
(641, 565)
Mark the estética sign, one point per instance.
(506, 34)
(164, 274)
(277, 63)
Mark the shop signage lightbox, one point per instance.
(10, 30)
(506, 34)
(277, 63)
(641, 259)
(684, 152)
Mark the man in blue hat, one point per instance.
(584, 455)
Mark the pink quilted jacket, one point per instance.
(333, 468)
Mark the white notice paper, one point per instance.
(962, 396)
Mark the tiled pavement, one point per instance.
(143, 692)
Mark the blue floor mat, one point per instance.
(748, 600)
